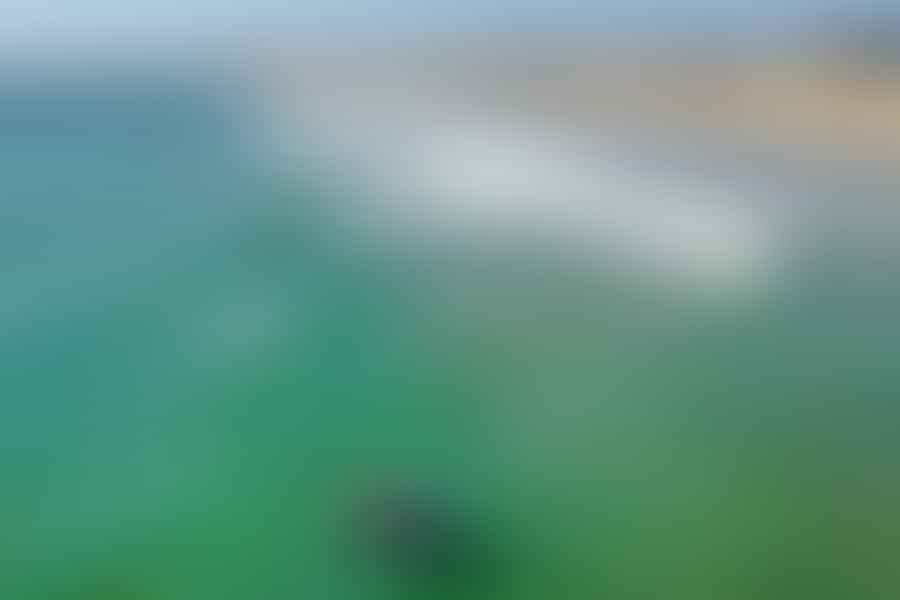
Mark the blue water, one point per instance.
(201, 372)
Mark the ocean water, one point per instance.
(204, 371)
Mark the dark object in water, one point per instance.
(417, 533)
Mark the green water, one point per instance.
(201, 373)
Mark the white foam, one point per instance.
(489, 176)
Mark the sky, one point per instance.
(42, 25)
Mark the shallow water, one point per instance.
(203, 372)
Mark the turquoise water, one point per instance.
(202, 372)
